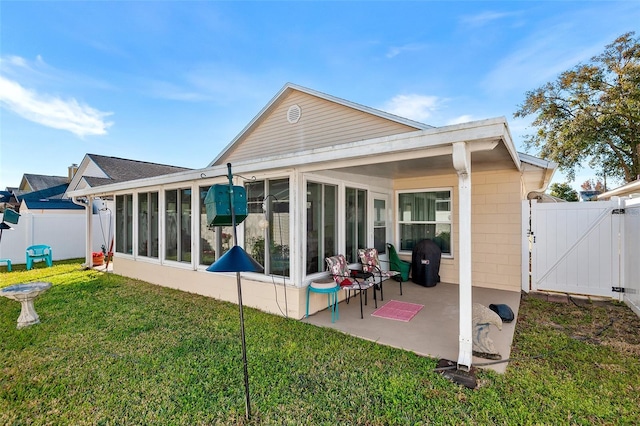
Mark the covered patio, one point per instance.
(433, 331)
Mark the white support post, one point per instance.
(89, 240)
(462, 163)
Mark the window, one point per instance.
(268, 226)
(322, 230)
(215, 240)
(356, 222)
(425, 215)
(148, 224)
(380, 225)
(124, 224)
(178, 225)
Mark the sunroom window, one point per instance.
(356, 222)
(124, 224)
(425, 215)
(267, 225)
(148, 224)
(322, 229)
(178, 225)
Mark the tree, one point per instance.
(591, 114)
(591, 185)
(564, 191)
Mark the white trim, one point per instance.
(545, 164)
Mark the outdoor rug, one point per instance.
(399, 311)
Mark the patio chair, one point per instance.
(397, 264)
(371, 263)
(350, 280)
(39, 252)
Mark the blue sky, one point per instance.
(175, 82)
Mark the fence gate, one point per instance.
(575, 247)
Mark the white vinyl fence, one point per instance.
(589, 248)
(631, 250)
(64, 232)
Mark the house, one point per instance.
(324, 176)
(49, 217)
(96, 170)
(43, 194)
(8, 200)
(46, 217)
(99, 170)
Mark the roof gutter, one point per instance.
(635, 185)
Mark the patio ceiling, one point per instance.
(390, 168)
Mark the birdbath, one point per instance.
(26, 294)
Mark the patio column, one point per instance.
(462, 164)
(89, 240)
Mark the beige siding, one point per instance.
(495, 227)
(322, 124)
(255, 294)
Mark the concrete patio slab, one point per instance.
(433, 331)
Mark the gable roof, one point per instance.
(31, 182)
(98, 170)
(278, 130)
(122, 169)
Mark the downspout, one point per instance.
(461, 157)
(88, 207)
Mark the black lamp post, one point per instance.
(238, 260)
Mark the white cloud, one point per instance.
(484, 18)
(415, 107)
(52, 111)
(396, 50)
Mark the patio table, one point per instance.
(329, 287)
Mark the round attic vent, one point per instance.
(293, 114)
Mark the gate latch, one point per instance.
(617, 289)
(617, 211)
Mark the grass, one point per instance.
(113, 350)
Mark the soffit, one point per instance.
(498, 158)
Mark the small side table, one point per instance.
(328, 286)
(8, 262)
(26, 294)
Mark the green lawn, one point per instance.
(112, 350)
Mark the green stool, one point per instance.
(329, 287)
(8, 262)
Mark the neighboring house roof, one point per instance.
(628, 189)
(51, 193)
(97, 170)
(51, 204)
(313, 112)
(31, 182)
